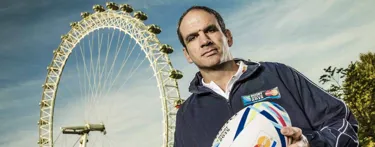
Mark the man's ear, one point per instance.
(229, 37)
(187, 56)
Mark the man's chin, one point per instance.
(211, 65)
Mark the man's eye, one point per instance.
(212, 29)
(191, 38)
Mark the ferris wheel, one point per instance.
(100, 72)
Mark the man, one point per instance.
(222, 84)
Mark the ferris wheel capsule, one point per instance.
(73, 24)
(140, 15)
(43, 104)
(64, 37)
(42, 122)
(154, 29)
(51, 68)
(112, 6)
(85, 14)
(178, 103)
(127, 8)
(43, 141)
(175, 74)
(98, 8)
(166, 48)
(58, 52)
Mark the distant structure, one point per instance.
(113, 17)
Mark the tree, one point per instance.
(356, 86)
(334, 76)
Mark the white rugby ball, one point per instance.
(254, 126)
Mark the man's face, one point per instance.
(206, 44)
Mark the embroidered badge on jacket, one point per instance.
(261, 96)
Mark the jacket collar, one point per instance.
(197, 87)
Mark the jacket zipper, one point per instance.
(235, 86)
(228, 101)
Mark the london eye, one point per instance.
(90, 63)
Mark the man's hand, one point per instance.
(298, 139)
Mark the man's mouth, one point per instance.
(210, 52)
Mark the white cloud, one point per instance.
(307, 35)
(11, 97)
(20, 138)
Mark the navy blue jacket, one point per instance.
(325, 120)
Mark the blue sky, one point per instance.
(307, 35)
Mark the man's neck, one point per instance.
(221, 75)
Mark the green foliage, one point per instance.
(334, 76)
(356, 86)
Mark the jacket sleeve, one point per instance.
(334, 124)
(182, 136)
(178, 130)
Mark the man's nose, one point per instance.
(204, 40)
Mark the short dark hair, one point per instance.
(218, 17)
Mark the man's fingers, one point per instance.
(296, 134)
(293, 132)
(299, 144)
(295, 145)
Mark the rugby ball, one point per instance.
(255, 126)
